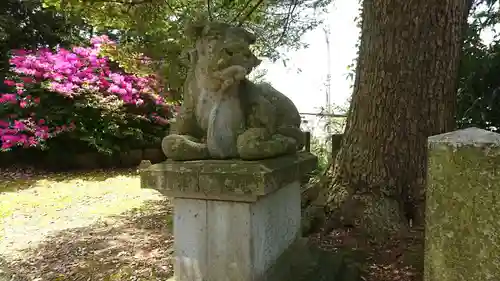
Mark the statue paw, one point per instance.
(231, 75)
(184, 148)
(234, 72)
(294, 133)
(256, 143)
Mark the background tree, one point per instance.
(479, 82)
(405, 90)
(155, 27)
(25, 25)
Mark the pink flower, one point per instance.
(114, 89)
(8, 98)
(18, 125)
(10, 138)
(98, 40)
(69, 73)
(32, 141)
(9, 83)
(20, 52)
(27, 79)
(4, 124)
(6, 144)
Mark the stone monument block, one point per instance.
(462, 239)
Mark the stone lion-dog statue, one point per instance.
(224, 115)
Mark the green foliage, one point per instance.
(76, 97)
(25, 25)
(106, 126)
(100, 123)
(319, 147)
(155, 27)
(479, 84)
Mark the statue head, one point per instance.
(220, 45)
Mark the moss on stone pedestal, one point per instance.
(236, 180)
(463, 207)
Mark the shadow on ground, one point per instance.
(397, 259)
(137, 245)
(134, 246)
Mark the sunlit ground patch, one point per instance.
(61, 201)
(83, 226)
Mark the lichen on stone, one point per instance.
(227, 179)
(462, 207)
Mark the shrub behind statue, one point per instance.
(224, 115)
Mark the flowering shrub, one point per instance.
(77, 92)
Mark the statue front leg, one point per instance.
(184, 148)
(294, 133)
(258, 143)
(182, 143)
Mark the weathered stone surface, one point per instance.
(232, 218)
(227, 179)
(470, 136)
(304, 261)
(224, 115)
(238, 241)
(462, 207)
(336, 143)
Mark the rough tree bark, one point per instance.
(405, 91)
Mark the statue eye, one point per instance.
(228, 52)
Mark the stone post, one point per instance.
(462, 239)
(336, 144)
(233, 220)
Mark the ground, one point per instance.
(399, 259)
(102, 226)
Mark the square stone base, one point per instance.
(234, 241)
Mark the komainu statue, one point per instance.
(224, 115)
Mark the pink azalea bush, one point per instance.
(77, 92)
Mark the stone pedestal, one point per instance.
(233, 220)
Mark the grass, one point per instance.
(90, 195)
(102, 219)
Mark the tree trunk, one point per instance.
(405, 91)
